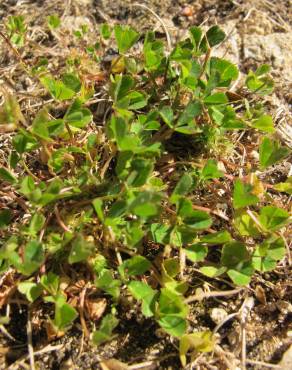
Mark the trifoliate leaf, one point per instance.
(211, 171)
(166, 114)
(146, 294)
(242, 274)
(215, 35)
(182, 187)
(220, 237)
(7, 176)
(245, 224)
(264, 123)
(196, 252)
(234, 253)
(104, 334)
(273, 218)
(30, 289)
(271, 152)
(136, 265)
(267, 254)
(81, 250)
(285, 187)
(125, 37)
(242, 195)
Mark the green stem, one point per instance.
(207, 57)
(166, 70)
(28, 170)
(70, 133)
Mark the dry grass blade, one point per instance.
(202, 295)
(160, 21)
(29, 342)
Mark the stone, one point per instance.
(218, 315)
(275, 48)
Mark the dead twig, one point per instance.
(287, 249)
(244, 312)
(227, 318)
(60, 221)
(21, 361)
(202, 295)
(141, 365)
(7, 334)
(182, 262)
(82, 319)
(261, 363)
(15, 51)
(29, 341)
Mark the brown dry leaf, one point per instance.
(90, 70)
(8, 286)
(159, 81)
(52, 334)
(280, 289)
(65, 281)
(95, 308)
(113, 364)
(44, 155)
(36, 319)
(74, 301)
(232, 96)
(260, 294)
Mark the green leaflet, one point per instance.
(146, 294)
(108, 324)
(271, 152)
(242, 195)
(125, 37)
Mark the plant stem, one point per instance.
(164, 133)
(207, 57)
(200, 296)
(28, 170)
(70, 133)
(15, 52)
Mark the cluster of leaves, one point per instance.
(116, 202)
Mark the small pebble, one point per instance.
(218, 315)
(188, 11)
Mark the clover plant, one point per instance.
(98, 194)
